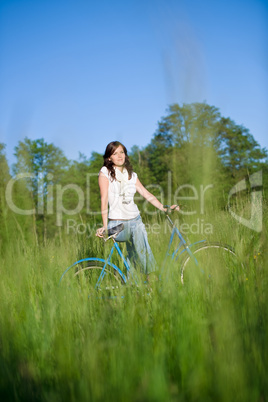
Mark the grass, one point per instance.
(163, 343)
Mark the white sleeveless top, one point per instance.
(121, 204)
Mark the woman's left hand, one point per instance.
(169, 208)
(175, 207)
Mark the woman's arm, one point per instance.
(151, 198)
(104, 185)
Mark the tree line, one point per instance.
(193, 145)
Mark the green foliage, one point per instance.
(163, 342)
(238, 149)
(4, 210)
(44, 164)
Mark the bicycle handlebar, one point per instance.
(168, 211)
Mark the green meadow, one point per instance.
(161, 341)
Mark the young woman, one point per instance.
(118, 184)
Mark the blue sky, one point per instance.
(81, 73)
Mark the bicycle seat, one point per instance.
(116, 229)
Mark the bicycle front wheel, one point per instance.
(95, 275)
(213, 263)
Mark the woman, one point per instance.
(118, 184)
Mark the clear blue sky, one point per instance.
(81, 73)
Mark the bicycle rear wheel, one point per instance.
(93, 276)
(212, 263)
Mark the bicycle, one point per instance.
(199, 260)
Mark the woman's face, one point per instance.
(118, 157)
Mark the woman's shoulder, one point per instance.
(105, 171)
(134, 176)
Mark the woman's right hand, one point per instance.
(100, 231)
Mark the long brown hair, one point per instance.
(110, 149)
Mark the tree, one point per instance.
(44, 164)
(184, 145)
(84, 174)
(200, 147)
(238, 150)
(140, 165)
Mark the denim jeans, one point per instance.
(139, 253)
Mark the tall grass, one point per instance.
(160, 342)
